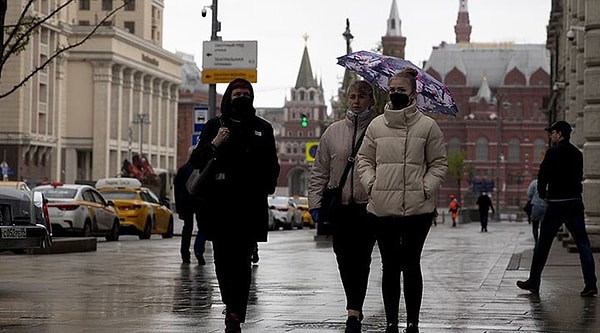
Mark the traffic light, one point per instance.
(304, 121)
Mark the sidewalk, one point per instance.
(469, 280)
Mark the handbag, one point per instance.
(200, 180)
(331, 198)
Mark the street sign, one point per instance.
(311, 150)
(200, 117)
(227, 75)
(229, 54)
(195, 138)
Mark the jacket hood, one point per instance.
(226, 100)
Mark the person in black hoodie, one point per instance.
(235, 212)
(559, 184)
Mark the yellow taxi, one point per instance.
(19, 185)
(301, 204)
(140, 211)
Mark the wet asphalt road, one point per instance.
(141, 286)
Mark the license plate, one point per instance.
(14, 233)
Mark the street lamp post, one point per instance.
(498, 156)
(141, 119)
(212, 88)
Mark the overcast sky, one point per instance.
(279, 26)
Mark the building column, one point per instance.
(591, 120)
(172, 111)
(158, 119)
(127, 111)
(116, 133)
(102, 82)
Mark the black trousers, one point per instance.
(234, 273)
(401, 241)
(483, 219)
(353, 242)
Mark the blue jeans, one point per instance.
(571, 214)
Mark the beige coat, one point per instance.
(332, 155)
(402, 162)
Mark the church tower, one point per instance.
(462, 29)
(393, 42)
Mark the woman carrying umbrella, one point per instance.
(401, 164)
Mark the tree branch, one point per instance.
(63, 49)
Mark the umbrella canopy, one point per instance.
(432, 95)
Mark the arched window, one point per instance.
(539, 149)
(453, 146)
(514, 150)
(481, 149)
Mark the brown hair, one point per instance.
(362, 87)
(407, 73)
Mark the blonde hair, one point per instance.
(362, 87)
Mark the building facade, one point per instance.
(500, 89)
(95, 104)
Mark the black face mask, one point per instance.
(399, 100)
(241, 108)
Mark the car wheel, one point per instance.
(147, 233)
(87, 229)
(114, 232)
(169, 233)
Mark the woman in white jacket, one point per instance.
(401, 164)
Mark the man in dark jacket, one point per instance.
(485, 203)
(559, 183)
(241, 146)
(186, 206)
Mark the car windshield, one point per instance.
(58, 193)
(111, 195)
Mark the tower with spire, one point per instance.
(462, 29)
(306, 98)
(393, 43)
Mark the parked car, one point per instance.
(285, 213)
(140, 211)
(301, 203)
(80, 210)
(23, 224)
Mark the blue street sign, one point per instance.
(195, 138)
(198, 127)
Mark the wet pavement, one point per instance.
(141, 286)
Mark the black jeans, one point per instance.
(401, 241)
(186, 236)
(234, 273)
(353, 242)
(571, 214)
(483, 219)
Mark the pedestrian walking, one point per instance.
(244, 170)
(352, 233)
(402, 163)
(187, 206)
(538, 209)
(453, 207)
(484, 203)
(560, 184)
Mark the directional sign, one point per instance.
(229, 54)
(227, 75)
(311, 150)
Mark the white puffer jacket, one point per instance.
(402, 162)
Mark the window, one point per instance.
(84, 4)
(107, 4)
(514, 150)
(129, 26)
(454, 146)
(130, 6)
(481, 149)
(84, 22)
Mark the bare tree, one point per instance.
(19, 34)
